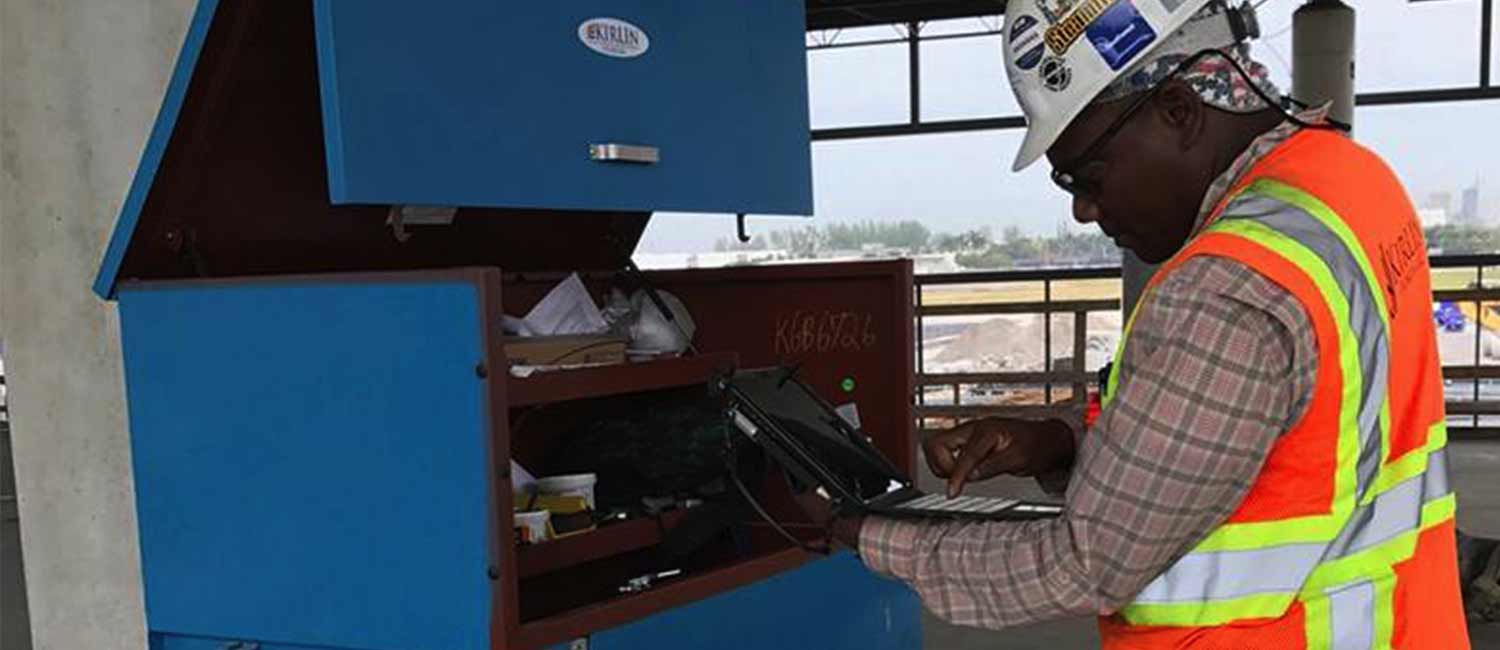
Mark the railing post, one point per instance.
(1047, 337)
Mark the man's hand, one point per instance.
(980, 449)
(820, 511)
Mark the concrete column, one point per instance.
(80, 84)
(1323, 56)
(1134, 274)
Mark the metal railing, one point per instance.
(940, 396)
(1476, 414)
(1079, 380)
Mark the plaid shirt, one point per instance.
(1221, 361)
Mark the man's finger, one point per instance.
(973, 452)
(940, 448)
(1002, 459)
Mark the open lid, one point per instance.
(233, 180)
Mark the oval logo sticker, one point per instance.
(613, 37)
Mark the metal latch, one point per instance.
(642, 583)
(743, 423)
(401, 216)
(631, 153)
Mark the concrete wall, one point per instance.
(80, 83)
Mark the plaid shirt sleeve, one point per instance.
(1220, 362)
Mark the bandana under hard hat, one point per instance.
(1063, 55)
(1216, 80)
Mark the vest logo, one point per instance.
(1067, 31)
(1397, 257)
(613, 37)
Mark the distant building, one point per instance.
(1469, 213)
(1440, 201)
(1432, 217)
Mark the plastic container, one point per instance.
(533, 527)
(581, 485)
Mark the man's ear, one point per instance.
(1181, 110)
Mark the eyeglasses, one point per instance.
(1066, 176)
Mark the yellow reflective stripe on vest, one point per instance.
(1367, 322)
(1323, 625)
(1413, 462)
(1339, 564)
(1318, 209)
(1309, 528)
(1197, 615)
(1212, 573)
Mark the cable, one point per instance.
(1332, 125)
(731, 464)
(745, 492)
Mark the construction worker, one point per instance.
(1267, 469)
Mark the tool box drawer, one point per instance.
(689, 106)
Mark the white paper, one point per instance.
(567, 309)
(850, 413)
(520, 480)
(515, 326)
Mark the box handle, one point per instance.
(630, 153)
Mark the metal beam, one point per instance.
(1400, 97)
(1427, 96)
(1486, 24)
(921, 128)
(914, 69)
(834, 14)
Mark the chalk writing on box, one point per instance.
(801, 332)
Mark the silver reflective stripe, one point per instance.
(1364, 317)
(1352, 616)
(1222, 575)
(1396, 511)
(1436, 474)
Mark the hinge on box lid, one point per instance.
(241, 645)
(401, 216)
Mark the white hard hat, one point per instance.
(1059, 55)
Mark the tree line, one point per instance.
(980, 249)
(973, 249)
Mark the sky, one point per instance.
(959, 181)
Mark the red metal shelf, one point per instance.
(548, 631)
(615, 539)
(602, 381)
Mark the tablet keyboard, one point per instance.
(941, 503)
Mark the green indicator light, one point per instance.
(847, 384)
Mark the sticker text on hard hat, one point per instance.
(1066, 31)
(1120, 34)
(1054, 10)
(1055, 74)
(1032, 57)
(1021, 25)
(613, 37)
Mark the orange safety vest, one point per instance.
(1346, 537)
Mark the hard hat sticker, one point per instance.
(1022, 24)
(1063, 33)
(1120, 34)
(1032, 57)
(1054, 10)
(1055, 73)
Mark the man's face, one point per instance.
(1139, 183)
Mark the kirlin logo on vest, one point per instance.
(1398, 256)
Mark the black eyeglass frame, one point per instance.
(1066, 177)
